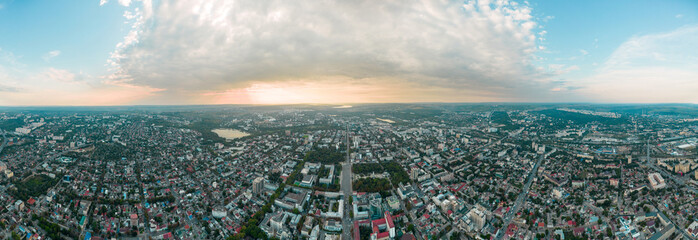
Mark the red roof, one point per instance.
(389, 219)
(378, 222)
(510, 229)
(31, 201)
(382, 235)
(408, 236)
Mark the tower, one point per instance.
(258, 185)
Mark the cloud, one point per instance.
(62, 87)
(23, 85)
(5, 88)
(125, 3)
(50, 55)
(671, 49)
(561, 69)
(61, 75)
(194, 47)
(660, 67)
(102, 2)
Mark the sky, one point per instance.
(143, 52)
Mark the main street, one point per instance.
(345, 184)
(521, 199)
(678, 180)
(681, 181)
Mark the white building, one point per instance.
(656, 181)
(219, 212)
(414, 174)
(23, 131)
(477, 218)
(258, 185)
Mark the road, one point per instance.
(678, 227)
(345, 185)
(681, 181)
(411, 216)
(678, 180)
(521, 199)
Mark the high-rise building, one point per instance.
(258, 185)
(682, 168)
(478, 218)
(414, 174)
(134, 219)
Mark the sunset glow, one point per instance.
(279, 52)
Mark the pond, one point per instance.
(386, 120)
(230, 134)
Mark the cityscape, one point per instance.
(348, 120)
(377, 171)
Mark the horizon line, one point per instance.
(340, 104)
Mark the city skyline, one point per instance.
(276, 52)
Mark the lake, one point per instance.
(386, 120)
(230, 134)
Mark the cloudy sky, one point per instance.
(128, 52)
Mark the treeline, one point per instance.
(117, 201)
(33, 187)
(53, 231)
(251, 229)
(110, 151)
(168, 198)
(367, 168)
(333, 187)
(324, 156)
(371, 185)
(580, 118)
(204, 126)
(323, 172)
(295, 175)
(10, 124)
(396, 171)
(502, 117)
